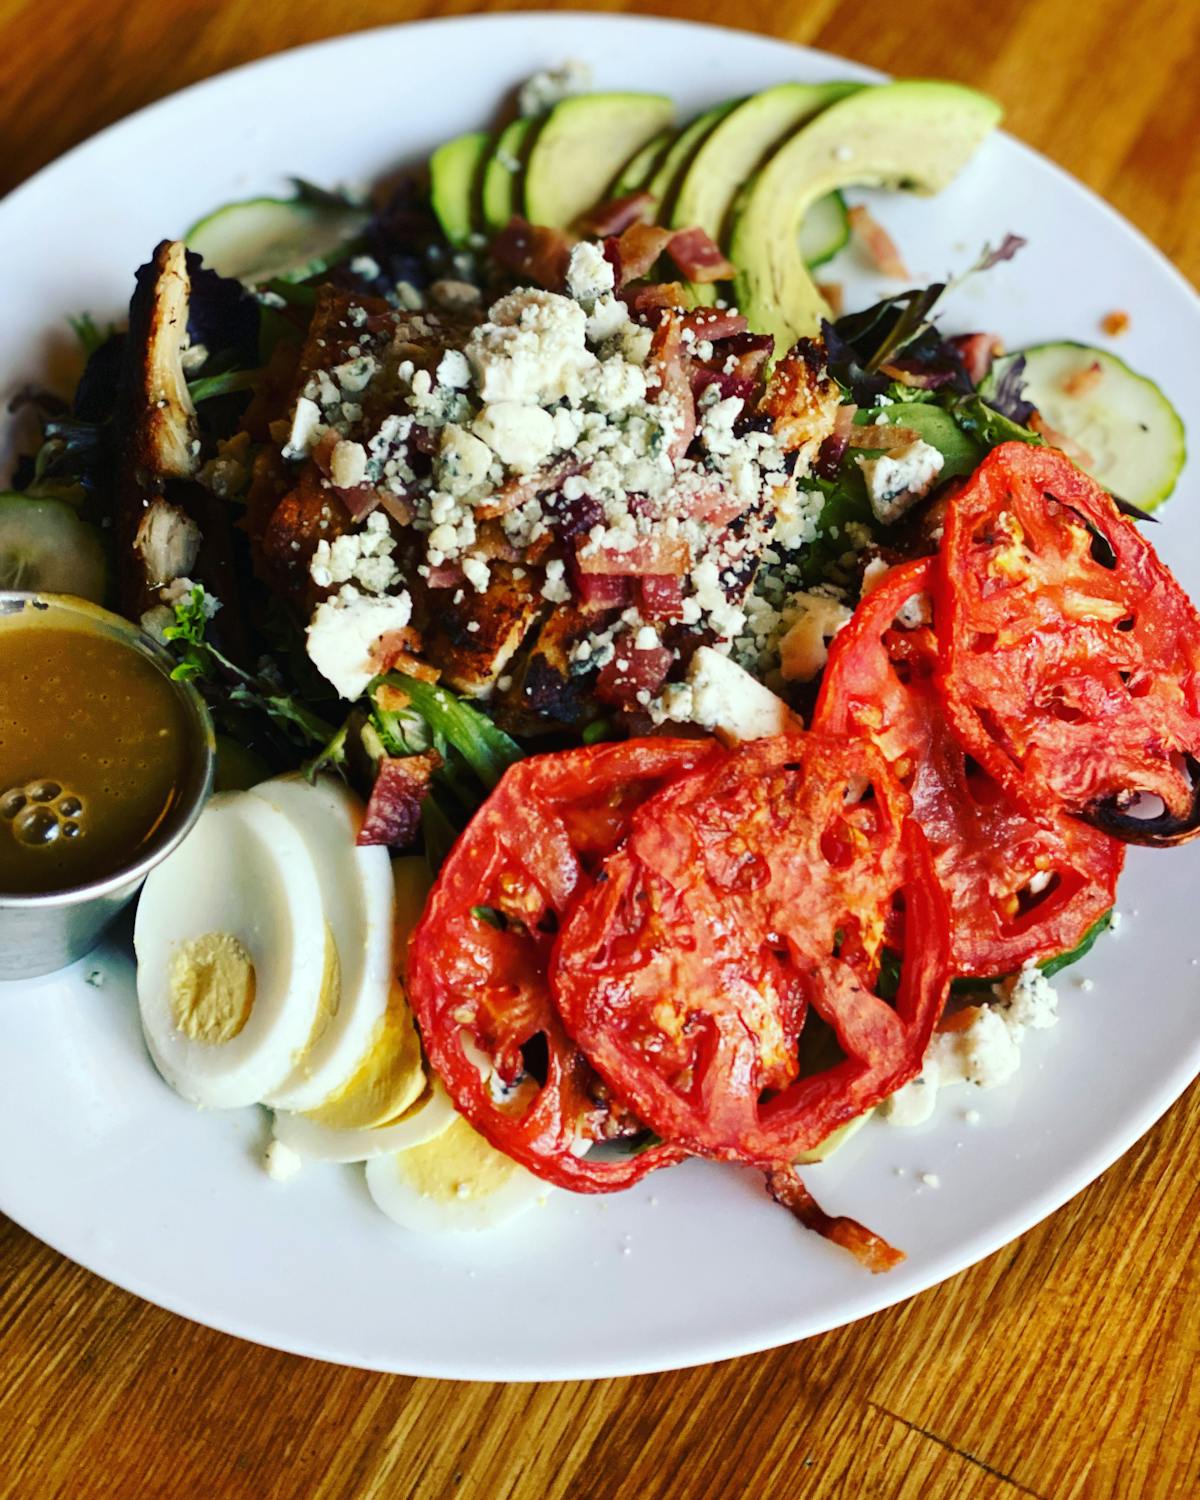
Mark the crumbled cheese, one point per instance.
(305, 431)
(555, 588)
(804, 648)
(463, 461)
(363, 558)
(366, 266)
(280, 1162)
(985, 1052)
(477, 573)
(348, 465)
(193, 358)
(343, 631)
(520, 436)
(896, 481)
(532, 349)
(355, 374)
(453, 370)
(454, 295)
(724, 696)
(551, 86)
(589, 274)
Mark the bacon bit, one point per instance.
(1061, 441)
(632, 671)
(393, 815)
(713, 504)
(699, 257)
(394, 652)
(391, 699)
(1115, 323)
(977, 351)
(660, 598)
(519, 490)
(491, 543)
(322, 453)
(533, 252)
(674, 388)
(714, 323)
(834, 294)
(1084, 380)
(361, 500)
(637, 249)
(650, 302)
(600, 591)
(444, 576)
(660, 555)
(883, 438)
(615, 216)
(833, 449)
(398, 507)
(877, 243)
(868, 1248)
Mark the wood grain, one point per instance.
(1066, 1365)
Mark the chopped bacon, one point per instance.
(598, 591)
(322, 452)
(361, 500)
(699, 257)
(398, 507)
(920, 380)
(636, 250)
(834, 294)
(713, 323)
(444, 576)
(833, 449)
(977, 351)
(877, 243)
(1115, 323)
(518, 491)
(615, 216)
(660, 598)
(882, 437)
(533, 252)
(868, 1248)
(396, 651)
(393, 815)
(651, 301)
(660, 555)
(632, 671)
(674, 389)
(491, 543)
(737, 366)
(1084, 380)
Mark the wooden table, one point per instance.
(1064, 1365)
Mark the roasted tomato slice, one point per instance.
(720, 973)
(477, 967)
(1069, 656)
(1019, 886)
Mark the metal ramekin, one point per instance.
(44, 932)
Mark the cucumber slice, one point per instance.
(1132, 436)
(825, 230)
(46, 549)
(275, 239)
(501, 174)
(453, 173)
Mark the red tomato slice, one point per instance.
(1019, 887)
(1069, 656)
(747, 912)
(477, 966)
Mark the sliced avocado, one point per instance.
(641, 166)
(961, 454)
(453, 174)
(825, 1149)
(738, 145)
(581, 149)
(678, 157)
(913, 134)
(498, 193)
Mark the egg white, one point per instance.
(244, 870)
(356, 891)
(429, 1117)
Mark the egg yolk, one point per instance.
(212, 986)
(457, 1164)
(388, 1079)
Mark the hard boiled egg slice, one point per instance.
(389, 1075)
(356, 889)
(428, 1117)
(235, 963)
(454, 1182)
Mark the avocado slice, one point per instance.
(453, 173)
(498, 193)
(641, 166)
(678, 157)
(914, 134)
(737, 146)
(581, 149)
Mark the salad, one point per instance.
(661, 713)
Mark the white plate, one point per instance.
(104, 1163)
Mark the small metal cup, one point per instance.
(44, 932)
